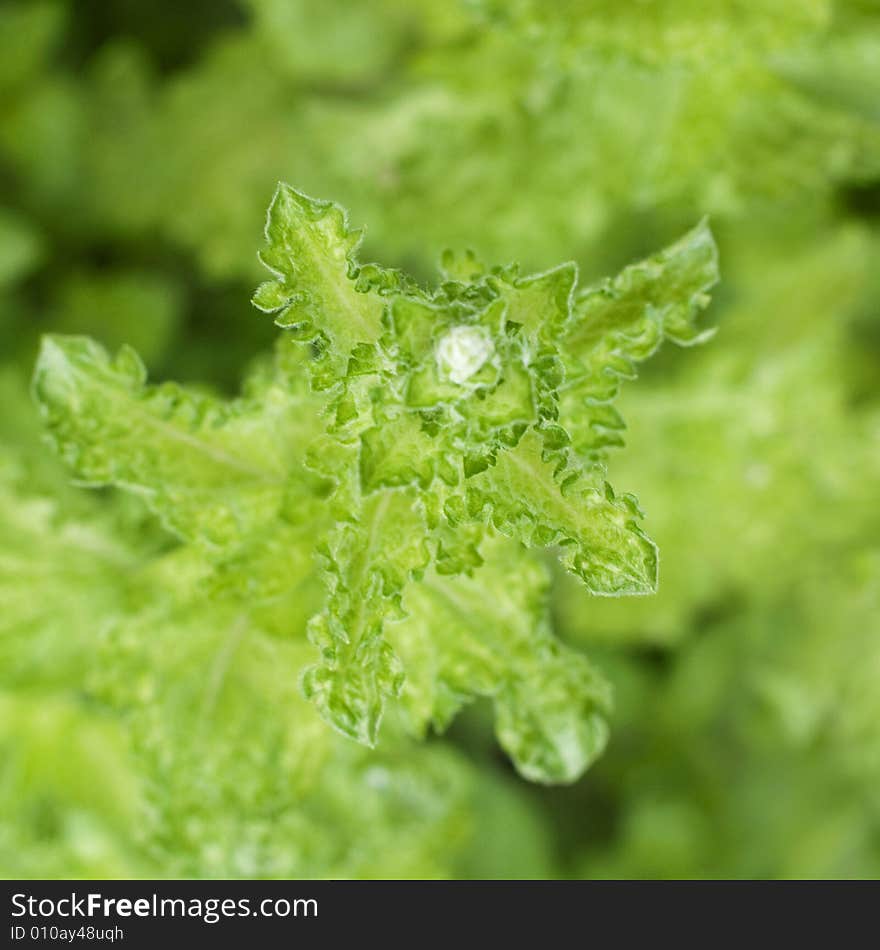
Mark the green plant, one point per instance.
(440, 429)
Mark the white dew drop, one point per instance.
(462, 351)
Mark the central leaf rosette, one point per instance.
(464, 382)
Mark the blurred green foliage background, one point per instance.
(139, 146)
